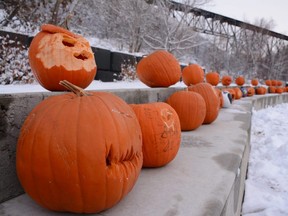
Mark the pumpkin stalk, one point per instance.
(75, 89)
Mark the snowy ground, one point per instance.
(267, 184)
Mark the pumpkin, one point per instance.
(211, 99)
(279, 90)
(274, 82)
(279, 83)
(159, 69)
(238, 93)
(250, 91)
(56, 54)
(192, 74)
(161, 132)
(221, 99)
(240, 81)
(260, 91)
(231, 91)
(79, 153)
(213, 78)
(226, 80)
(272, 89)
(254, 82)
(190, 107)
(268, 82)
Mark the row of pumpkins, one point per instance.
(83, 151)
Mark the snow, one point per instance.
(267, 183)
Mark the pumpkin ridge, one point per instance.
(163, 67)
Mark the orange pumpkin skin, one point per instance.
(56, 54)
(274, 82)
(238, 93)
(192, 74)
(226, 80)
(232, 92)
(161, 132)
(272, 89)
(159, 69)
(279, 90)
(221, 99)
(213, 78)
(190, 107)
(79, 154)
(279, 83)
(240, 81)
(254, 82)
(211, 99)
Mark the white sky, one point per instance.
(251, 10)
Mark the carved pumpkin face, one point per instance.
(56, 54)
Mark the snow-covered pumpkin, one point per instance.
(190, 107)
(192, 74)
(211, 99)
(57, 54)
(79, 152)
(159, 69)
(161, 132)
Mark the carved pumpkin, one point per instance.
(254, 82)
(79, 153)
(211, 99)
(161, 132)
(240, 81)
(250, 91)
(56, 54)
(238, 93)
(190, 107)
(159, 69)
(272, 89)
(192, 74)
(213, 78)
(226, 80)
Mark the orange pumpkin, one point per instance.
(238, 93)
(161, 132)
(268, 82)
(213, 78)
(279, 90)
(79, 153)
(260, 91)
(221, 99)
(274, 82)
(272, 89)
(254, 82)
(192, 74)
(211, 99)
(56, 54)
(159, 69)
(279, 83)
(190, 107)
(240, 81)
(226, 80)
(232, 92)
(250, 91)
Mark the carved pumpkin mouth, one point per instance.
(83, 55)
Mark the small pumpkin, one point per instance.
(161, 132)
(261, 90)
(213, 78)
(211, 99)
(279, 90)
(79, 153)
(268, 82)
(159, 69)
(240, 81)
(274, 82)
(279, 83)
(57, 54)
(250, 91)
(226, 80)
(254, 82)
(190, 107)
(238, 93)
(271, 89)
(192, 74)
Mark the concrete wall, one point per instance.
(207, 175)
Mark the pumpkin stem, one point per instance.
(75, 89)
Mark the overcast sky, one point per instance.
(253, 9)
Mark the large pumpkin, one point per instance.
(57, 54)
(192, 74)
(213, 78)
(78, 153)
(161, 132)
(211, 99)
(190, 107)
(159, 69)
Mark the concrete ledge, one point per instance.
(206, 177)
